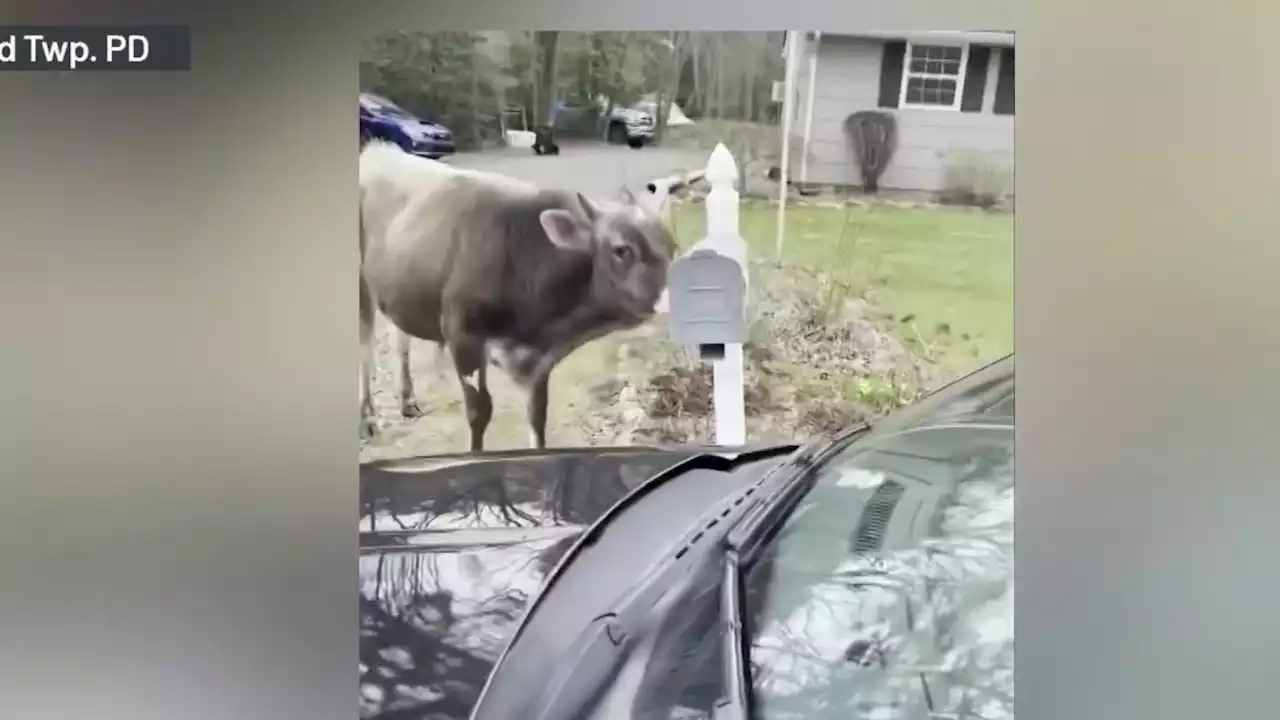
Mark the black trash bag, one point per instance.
(544, 142)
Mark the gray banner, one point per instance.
(95, 47)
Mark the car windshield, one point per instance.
(888, 593)
(884, 590)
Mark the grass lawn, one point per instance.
(948, 273)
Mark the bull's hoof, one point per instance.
(368, 429)
(411, 410)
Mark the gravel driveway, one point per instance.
(595, 170)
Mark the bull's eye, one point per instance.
(623, 254)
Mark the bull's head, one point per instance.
(631, 249)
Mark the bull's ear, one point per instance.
(564, 230)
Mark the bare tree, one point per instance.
(672, 54)
(547, 43)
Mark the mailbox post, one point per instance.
(707, 299)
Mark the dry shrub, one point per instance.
(972, 179)
(819, 359)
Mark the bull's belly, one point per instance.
(419, 319)
(525, 364)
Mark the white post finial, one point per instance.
(722, 170)
(722, 202)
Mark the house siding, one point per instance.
(848, 80)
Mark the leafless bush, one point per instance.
(819, 359)
(873, 136)
(972, 179)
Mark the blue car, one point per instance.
(381, 119)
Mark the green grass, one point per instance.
(949, 272)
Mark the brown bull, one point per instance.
(497, 271)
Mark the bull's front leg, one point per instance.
(471, 364)
(368, 418)
(536, 412)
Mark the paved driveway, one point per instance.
(594, 169)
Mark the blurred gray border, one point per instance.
(178, 396)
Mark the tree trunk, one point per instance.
(547, 43)
(477, 132)
(668, 93)
(720, 93)
(695, 51)
(502, 58)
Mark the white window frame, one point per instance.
(907, 75)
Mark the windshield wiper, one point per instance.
(743, 540)
(736, 705)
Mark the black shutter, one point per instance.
(975, 78)
(891, 59)
(1004, 85)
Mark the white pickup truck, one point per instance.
(634, 125)
(631, 126)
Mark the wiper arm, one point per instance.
(742, 539)
(736, 705)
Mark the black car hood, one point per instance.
(453, 549)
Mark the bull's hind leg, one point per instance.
(409, 406)
(470, 363)
(536, 412)
(368, 423)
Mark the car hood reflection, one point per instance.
(454, 549)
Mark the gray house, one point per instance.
(952, 94)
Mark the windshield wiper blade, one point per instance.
(736, 705)
(741, 541)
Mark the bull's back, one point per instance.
(401, 244)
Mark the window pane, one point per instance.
(915, 87)
(931, 91)
(935, 59)
(937, 52)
